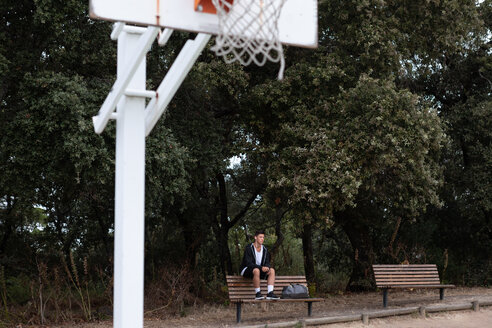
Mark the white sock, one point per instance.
(257, 290)
(270, 288)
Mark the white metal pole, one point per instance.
(129, 193)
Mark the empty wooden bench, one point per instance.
(390, 276)
(241, 291)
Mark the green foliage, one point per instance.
(377, 144)
(371, 137)
(18, 289)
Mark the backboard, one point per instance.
(298, 22)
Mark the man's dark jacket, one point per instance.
(249, 258)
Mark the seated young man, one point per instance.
(256, 266)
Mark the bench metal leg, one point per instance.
(441, 293)
(238, 312)
(385, 297)
(310, 308)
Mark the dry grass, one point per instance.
(224, 316)
(168, 295)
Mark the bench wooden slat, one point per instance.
(410, 269)
(248, 290)
(249, 287)
(286, 300)
(250, 293)
(241, 283)
(280, 279)
(408, 280)
(405, 274)
(403, 283)
(402, 265)
(423, 277)
(405, 271)
(250, 300)
(243, 279)
(277, 277)
(237, 284)
(419, 286)
(250, 283)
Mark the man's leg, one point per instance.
(256, 278)
(256, 283)
(271, 277)
(271, 284)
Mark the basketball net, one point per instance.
(248, 32)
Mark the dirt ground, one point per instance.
(337, 305)
(465, 319)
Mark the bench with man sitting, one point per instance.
(241, 291)
(257, 274)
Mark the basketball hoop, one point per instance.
(248, 32)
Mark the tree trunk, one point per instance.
(307, 248)
(357, 231)
(103, 232)
(223, 230)
(192, 241)
(7, 226)
(225, 222)
(279, 214)
(225, 254)
(6, 234)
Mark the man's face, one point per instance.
(260, 238)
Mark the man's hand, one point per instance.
(265, 269)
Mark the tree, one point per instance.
(459, 84)
(342, 133)
(49, 87)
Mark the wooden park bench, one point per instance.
(241, 291)
(390, 276)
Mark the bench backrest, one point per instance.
(400, 275)
(241, 288)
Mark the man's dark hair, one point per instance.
(259, 232)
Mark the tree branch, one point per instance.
(250, 201)
(483, 77)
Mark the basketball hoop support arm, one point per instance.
(119, 87)
(173, 79)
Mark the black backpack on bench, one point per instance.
(294, 291)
